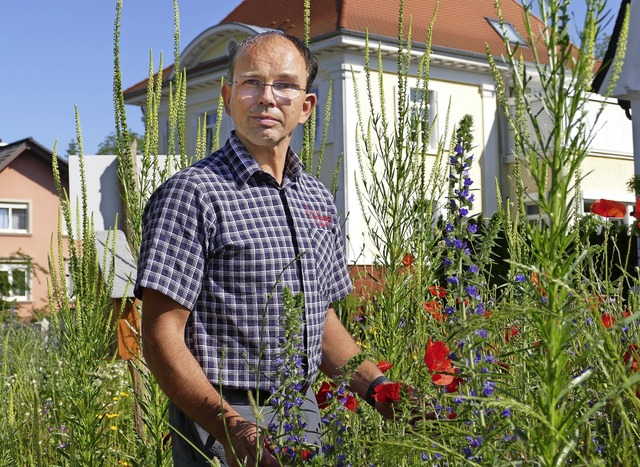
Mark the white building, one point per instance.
(460, 79)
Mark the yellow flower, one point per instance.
(114, 428)
(124, 394)
(112, 415)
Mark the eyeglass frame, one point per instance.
(258, 85)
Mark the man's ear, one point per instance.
(308, 105)
(226, 97)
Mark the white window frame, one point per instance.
(431, 110)
(510, 31)
(11, 267)
(10, 206)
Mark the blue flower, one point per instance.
(482, 333)
(520, 278)
(472, 228)
(463, 212)
(488, 388)
(453, 280)
(506, 413)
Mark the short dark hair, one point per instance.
(310, 59)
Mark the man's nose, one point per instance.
(267, 97)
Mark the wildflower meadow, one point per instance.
(510, 341)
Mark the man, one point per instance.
(221, 240)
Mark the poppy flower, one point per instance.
(608, 320)
(350, 402)
(511, 333)
(433, 308)
(636, 213)
(384, 366)
(408, 259)
(435, 356)
(387, 392)
(626, 313)
(441, 379)
(452, 415)
(454, 385)
(438, 291)
(632, 358)
(324, 394)
(608, 208)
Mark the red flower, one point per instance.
(326, 393)
(323, 395)
(384, 366)
(608, 320)
(408, 259)
(452, 415)
(636, 213)
(387, 392)
(608, 208)
(454, 385)
(441, 379)
(510, 333)
(632, 358)
(438, 291)
(433, 308)
(350, 402)
(435, 356)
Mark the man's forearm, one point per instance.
(338, 347)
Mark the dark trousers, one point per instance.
(185, 455)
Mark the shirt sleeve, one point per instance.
(172, 252)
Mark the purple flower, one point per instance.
(488, 388)
(482, 333)
(506, 413)
(468, 182)
(453, 280)
(520, 278)
(463, 211)
(472, 228)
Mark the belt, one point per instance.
(241, 396)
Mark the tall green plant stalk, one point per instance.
(553, 158)
(397, 194)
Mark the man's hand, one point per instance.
(245, 442)
(390, 407)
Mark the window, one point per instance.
(14, 281)
(14, 217)
(212, 119)
(509, 32)
(424, 110)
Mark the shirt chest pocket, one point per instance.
(323, 248)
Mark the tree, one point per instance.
(602, 44)
(110, 144)
(72, 149)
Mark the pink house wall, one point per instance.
(30, 179)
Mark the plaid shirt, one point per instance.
(223, 239)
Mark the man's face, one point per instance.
(262, 119)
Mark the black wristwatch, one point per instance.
(372, 389)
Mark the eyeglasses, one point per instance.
(282, 89)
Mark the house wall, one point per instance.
(462, 84)
(28, 179)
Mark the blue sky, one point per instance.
(57, 55)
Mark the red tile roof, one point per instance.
(460, 24)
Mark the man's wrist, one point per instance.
(369, 395)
